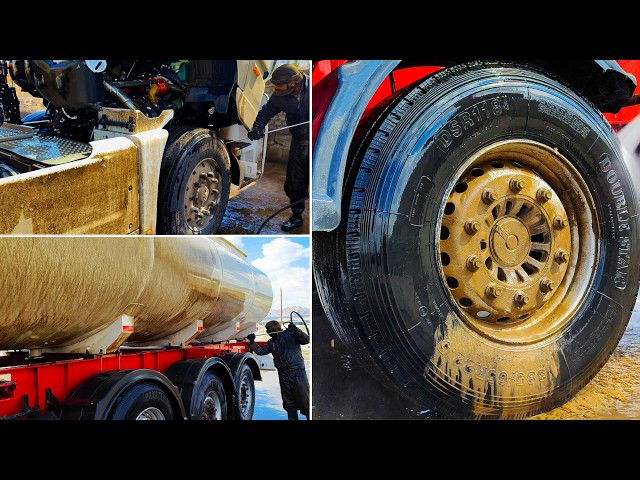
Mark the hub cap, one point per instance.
(517, 241)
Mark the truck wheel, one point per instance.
(246, 394)
(486, 264)
(210, 399)
(194, 183)
(143, 401)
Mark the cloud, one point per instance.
(236, 240)
(286, 263)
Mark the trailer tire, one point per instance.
(455, 297)
(210, 399)
(246, 394)
(143, 401)
(195, 183)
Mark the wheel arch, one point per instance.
(604, 82)
(95, 397)
(186, 375)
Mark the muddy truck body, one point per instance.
(475, 225)
(128, 146)
(130, 327)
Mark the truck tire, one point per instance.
(143, 401)
(246, 394)
(210, 399)
(486, 264)
(195, 183)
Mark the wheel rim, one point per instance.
(151, 413)
(202, 194)
(518, 241)
(246, 397)
(212, 407)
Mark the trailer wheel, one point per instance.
(246, 394)
(195, 183)
(487, 262)
(210, 399)
(143, 401)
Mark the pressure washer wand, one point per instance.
(270, 131)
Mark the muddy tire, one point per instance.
(486, 263)
(143, 401)
(210, 399)
(195, 183)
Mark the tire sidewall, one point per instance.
(210, 382)
(140, 397)
(203, 146)
(398, 239)
(246, 375)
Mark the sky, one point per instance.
(287, 263)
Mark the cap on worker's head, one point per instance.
(273, 326)
(285, 78)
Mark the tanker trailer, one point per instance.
(128, 328)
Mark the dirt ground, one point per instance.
(247, 211)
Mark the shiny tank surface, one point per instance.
(61, 291)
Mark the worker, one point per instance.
(284, 345)
(292, 98)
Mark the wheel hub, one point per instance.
(202, 194)
(504, 243)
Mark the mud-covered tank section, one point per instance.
(58, 291)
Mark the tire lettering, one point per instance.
(564, 116)
(616, 190)
(463, 121)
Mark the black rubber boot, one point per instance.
(291, 224)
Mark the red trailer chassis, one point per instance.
(56, 386)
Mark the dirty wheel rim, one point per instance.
(202, 194)
(518, 241)
(212, 407)
(151, 413)
(246, 397)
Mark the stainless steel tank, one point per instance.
(64, 291)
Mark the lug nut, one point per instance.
(516, 184)
(561, 256)
(559, 222)
(196, 184)
(193, 197)
(488, 196)
(521, 299)
(544, 195)
(547, 285)
(205, 212)
(473, 263)
(493, 290)
(472, 227)
(203, 175)
(195, 209)
(210, 174)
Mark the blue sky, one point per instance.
(287, 262)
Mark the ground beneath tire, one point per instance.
(343, 390)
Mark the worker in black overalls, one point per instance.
(291, 97)
(284, 345)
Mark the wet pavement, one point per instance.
(248, 210)
(342, 388)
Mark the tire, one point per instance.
(143, 401)
(246, 394)
(397, 280)
(210, 399)
(195, 175)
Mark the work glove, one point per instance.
(291, 326)
(256, 133)
(251, 337)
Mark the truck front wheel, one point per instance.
(195, 183)
(487, 260)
